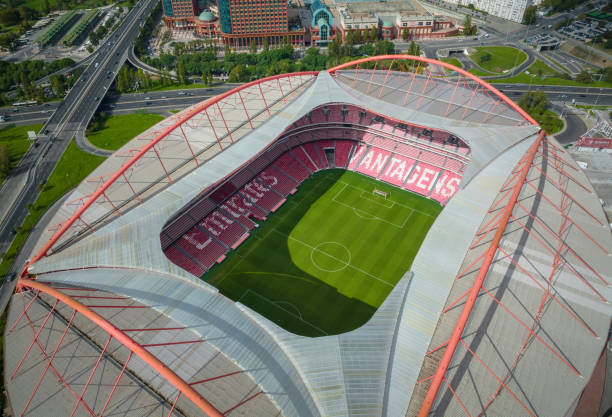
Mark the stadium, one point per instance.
(390, 237)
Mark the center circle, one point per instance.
(330, 256)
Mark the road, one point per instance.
(161, 101)
(71, 115)
(574, 125)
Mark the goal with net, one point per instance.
(380, 192)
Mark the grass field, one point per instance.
(502, 58)
(15, 140)
(118, 130)
(479, 73)
(535, 80)
(326, 260)
(453, 61)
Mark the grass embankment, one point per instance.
(116, 131)
(326, 260)
(550, 122)
(453, 61)
(547, 78)
(15, 140)
(480, 73)
(500, 58)
(160, 87)
(71, 169)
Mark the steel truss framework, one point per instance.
(507, 217)
(56, 300)
(213, 117)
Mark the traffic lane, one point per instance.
(153, 104)
(575, 126)
(128, 104)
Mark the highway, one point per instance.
(164, 101)
(71, 115)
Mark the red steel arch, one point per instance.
(461, 71)
(180, 384)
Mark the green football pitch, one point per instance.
(327, 259)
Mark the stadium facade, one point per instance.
(504, 310)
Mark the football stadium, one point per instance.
(390, 237)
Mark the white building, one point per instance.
(507, 9)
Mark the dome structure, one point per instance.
(206, 16)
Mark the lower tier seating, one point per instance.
(196, 244)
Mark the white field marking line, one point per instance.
(364, 215)
(333, 257)
(290, 305)
(373, 200)
(316, 249)
(356, 211)
(399, 204)
(285, 310)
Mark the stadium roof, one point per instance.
(504, 308)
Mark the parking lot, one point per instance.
(585, 30)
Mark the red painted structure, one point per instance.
(599, 143)
(114, 333)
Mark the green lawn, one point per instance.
(550, 122)
(178, 87)
(71, 169)
(502, 58)
(547, 71)
(452, 61)
(118, 130)
(326, 260)
(479, 73)
(535, 80)
(15, 140)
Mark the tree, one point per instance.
(414, 49)
(468, 28)
(373, 33)
(238, 74)
(584, 77)
(181, 74)
(606, 74)
(207, 78)
(529, 17)
(46, 8)
(5, 163)
(405, 34)
(266, 43)
(534, 102)
(253, 47)
(333, 50)
(485, 57)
